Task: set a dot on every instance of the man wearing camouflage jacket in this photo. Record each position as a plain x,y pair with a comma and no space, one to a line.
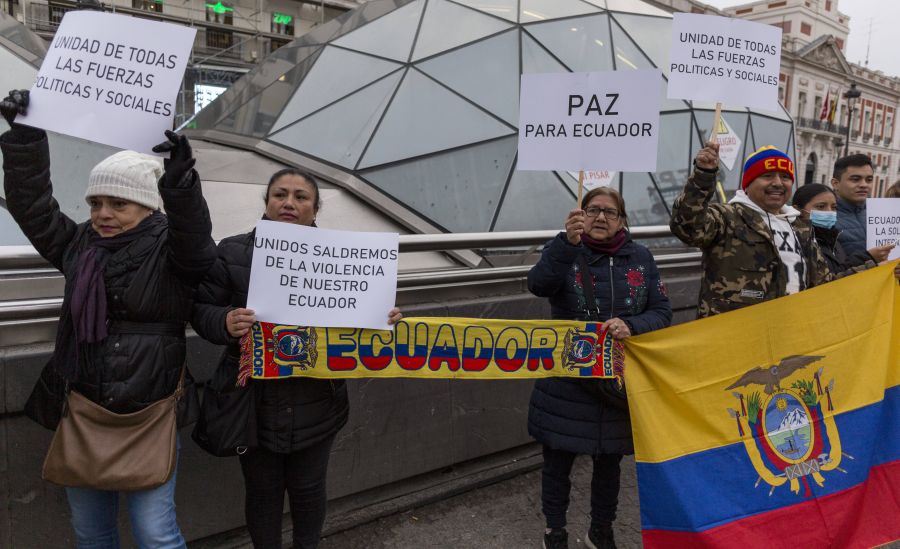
755,248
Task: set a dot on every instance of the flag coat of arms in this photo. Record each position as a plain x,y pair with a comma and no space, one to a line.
773,426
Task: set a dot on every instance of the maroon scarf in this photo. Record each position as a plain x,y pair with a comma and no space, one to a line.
608,247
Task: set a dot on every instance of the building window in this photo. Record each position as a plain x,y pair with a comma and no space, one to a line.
827,5
9,6
774,5
148,5
274,44
743,11
220,13
219,40
282,24
801,104
785,26
57,13
805,28
840,43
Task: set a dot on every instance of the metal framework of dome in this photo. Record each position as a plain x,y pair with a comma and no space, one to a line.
419,100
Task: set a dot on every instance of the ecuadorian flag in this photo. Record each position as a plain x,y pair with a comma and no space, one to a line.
773,426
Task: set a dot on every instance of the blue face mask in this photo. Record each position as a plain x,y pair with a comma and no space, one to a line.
826,220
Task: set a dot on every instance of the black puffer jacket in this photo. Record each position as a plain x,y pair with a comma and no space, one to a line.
567,414
149,283
292,414
833,251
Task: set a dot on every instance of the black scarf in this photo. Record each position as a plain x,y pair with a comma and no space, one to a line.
83,316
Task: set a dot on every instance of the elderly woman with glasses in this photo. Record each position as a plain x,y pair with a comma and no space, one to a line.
593,271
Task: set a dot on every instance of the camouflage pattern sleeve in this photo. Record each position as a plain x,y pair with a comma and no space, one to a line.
694,221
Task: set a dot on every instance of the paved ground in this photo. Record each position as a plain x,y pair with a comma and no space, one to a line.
502,515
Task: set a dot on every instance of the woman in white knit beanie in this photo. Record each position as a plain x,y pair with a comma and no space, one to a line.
130,272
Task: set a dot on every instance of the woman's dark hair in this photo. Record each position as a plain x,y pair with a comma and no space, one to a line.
807,192
893,191
317,200
610,192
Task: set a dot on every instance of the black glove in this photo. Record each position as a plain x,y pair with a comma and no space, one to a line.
15,103
180,162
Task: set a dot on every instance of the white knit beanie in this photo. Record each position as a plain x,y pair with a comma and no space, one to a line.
129,175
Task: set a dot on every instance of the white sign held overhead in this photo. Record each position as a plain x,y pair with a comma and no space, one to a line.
726,60
111,78
589,121
308,276
883,224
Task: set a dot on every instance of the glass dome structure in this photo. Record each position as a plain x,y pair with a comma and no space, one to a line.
418,100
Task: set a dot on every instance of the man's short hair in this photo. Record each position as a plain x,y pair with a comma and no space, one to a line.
855,160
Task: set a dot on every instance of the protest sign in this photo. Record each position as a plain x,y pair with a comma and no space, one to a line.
111,78
591,179
725,60
309,276
883,224
729,144
589,121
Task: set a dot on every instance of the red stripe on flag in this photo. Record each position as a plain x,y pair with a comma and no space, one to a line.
863,516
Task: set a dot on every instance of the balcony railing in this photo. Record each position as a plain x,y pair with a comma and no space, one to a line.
866,137
887,141
822,126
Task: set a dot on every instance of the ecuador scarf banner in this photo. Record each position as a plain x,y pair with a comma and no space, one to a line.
777,425
432,348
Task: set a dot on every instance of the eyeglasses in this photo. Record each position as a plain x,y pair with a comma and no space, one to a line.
610,213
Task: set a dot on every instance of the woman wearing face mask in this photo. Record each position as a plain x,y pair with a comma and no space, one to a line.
592,271
297,418
130,271
818,204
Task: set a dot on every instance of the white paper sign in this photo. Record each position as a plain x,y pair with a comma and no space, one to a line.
726,60
729,144
883,224
308,276
589,121
596,178
111,78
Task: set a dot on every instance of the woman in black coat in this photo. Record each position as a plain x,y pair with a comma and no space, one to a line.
818,204
297,418
570,416
130,273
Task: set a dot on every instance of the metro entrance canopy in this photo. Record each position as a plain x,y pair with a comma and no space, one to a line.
418,99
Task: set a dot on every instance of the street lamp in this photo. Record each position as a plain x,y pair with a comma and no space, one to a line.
852,95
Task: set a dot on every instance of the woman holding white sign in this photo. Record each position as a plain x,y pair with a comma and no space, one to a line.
115,387
593,271
282,430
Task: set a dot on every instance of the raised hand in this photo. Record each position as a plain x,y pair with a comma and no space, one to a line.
180,162
14,104
575,226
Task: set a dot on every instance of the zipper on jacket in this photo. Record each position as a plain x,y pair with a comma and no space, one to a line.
612,290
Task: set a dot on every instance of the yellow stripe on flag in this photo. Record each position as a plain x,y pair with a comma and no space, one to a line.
678,378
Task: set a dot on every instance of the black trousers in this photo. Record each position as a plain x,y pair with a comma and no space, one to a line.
267,476
556,485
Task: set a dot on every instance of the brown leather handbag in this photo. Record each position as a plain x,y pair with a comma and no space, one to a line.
96,448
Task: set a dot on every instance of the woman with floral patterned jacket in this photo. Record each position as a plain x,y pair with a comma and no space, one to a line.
574,416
